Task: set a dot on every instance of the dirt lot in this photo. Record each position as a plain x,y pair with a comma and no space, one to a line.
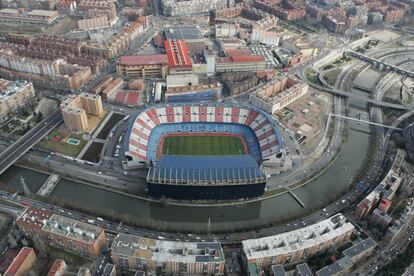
115,118
93,153
64,26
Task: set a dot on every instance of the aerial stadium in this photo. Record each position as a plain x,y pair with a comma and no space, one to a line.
204,151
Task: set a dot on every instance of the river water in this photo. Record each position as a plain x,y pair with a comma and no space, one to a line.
315,194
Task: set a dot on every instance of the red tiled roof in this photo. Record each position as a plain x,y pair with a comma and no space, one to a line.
143,60
177,53
18,261
247,58
243,58
59,265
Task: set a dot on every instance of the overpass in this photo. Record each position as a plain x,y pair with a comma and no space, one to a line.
342,93
379,64
13,152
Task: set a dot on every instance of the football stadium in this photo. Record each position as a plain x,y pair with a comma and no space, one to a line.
204,151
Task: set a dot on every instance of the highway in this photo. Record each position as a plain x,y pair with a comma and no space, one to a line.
13,152
375,62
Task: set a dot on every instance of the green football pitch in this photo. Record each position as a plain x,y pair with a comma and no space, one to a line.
203,145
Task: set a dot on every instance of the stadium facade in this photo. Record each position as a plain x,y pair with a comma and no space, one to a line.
172,174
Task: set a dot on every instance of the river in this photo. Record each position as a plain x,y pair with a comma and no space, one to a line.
314,194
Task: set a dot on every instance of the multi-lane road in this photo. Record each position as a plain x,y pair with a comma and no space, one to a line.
13,152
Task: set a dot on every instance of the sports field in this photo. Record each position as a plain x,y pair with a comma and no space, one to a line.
203,145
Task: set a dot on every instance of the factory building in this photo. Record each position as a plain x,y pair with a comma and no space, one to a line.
149,66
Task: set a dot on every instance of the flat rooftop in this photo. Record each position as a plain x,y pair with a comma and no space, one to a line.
43,13
9,88
143,60
34,218
167,251
298,239
186,32
9,11
72,229
359,248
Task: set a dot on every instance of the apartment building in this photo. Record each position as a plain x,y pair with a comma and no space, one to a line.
75,110
300,47
178,8
284,9
278,93
56,73
298,244
112,87
23,262
94,23
118,42
69,234
351,256
58,268
168,257
14,94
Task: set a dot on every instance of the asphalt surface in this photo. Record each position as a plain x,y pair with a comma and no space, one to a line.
13,152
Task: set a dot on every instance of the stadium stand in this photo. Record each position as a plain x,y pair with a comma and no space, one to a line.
199,176
247,120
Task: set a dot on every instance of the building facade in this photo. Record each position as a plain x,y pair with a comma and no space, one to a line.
76,108
169,257
151,66
278,93
299,244
58,231
178,8
23,262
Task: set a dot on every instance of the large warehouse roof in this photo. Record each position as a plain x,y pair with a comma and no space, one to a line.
189,32
177,53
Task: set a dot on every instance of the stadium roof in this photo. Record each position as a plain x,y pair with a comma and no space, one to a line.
206,170
189,32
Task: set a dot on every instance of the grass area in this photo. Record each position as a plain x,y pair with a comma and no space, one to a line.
313,76
56,142
331,76
63,27
8,27
70,258
203,145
